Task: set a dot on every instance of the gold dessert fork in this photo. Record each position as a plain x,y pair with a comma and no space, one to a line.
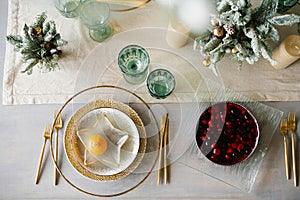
292,127
47,132
57,125
283,130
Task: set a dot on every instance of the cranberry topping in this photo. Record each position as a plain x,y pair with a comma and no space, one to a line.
227,133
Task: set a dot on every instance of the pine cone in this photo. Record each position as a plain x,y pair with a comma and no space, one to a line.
48,46
230,30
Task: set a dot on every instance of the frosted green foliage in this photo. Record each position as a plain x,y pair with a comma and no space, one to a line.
265,51
212,44
40,20
234,12
266,11
247,30
288,19
285,5
39,44
16,40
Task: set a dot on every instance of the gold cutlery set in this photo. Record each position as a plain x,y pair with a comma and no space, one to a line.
289,125
47,134
163,170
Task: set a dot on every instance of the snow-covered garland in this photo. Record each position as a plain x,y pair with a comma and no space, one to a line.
242,31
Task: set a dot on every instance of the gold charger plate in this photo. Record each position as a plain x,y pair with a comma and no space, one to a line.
75,149
135,5
148,160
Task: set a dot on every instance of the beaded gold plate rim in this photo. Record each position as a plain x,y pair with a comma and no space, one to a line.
58,168
143,4
71,141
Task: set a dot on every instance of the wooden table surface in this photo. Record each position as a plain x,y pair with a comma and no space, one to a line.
21,140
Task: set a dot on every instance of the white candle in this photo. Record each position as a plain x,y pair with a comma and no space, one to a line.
177,34
287,52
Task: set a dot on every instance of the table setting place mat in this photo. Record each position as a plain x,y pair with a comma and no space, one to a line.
259,81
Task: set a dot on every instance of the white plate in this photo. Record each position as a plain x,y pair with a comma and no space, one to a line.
118,114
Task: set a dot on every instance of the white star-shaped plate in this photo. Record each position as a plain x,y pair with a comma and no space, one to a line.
114,137
122,128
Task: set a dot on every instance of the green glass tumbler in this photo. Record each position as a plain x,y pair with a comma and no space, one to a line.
67,8
94,14
160,83
133,60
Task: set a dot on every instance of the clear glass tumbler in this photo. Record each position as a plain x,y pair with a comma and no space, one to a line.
94,15
160,83
133,61
67,8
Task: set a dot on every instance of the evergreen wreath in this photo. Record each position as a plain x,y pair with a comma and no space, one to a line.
39,44
242,31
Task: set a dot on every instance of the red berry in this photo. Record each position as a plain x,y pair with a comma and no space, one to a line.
217,151
214,145
214,157
203,138
229,150
250,143
250,136
234,145
240,147
227,157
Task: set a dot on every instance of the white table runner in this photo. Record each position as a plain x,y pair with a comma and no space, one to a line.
260,81
57,86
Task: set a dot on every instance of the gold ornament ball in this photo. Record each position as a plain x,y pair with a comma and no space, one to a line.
206,62
218,31
234,50
38,31
214,22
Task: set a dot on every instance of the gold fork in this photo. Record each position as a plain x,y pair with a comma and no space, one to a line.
283,130
47,132
57,125
292,127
